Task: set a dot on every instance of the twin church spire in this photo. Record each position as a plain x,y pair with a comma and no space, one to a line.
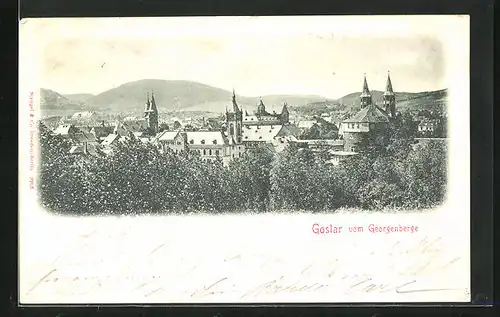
151,113
389,98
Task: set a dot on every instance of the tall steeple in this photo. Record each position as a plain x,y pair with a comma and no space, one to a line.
234,121
151,114
153,102
146,106
236,109
389,98
285,115
388,86
366,96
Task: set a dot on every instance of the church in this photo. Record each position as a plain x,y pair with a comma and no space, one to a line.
261,129
262,117
371,121
210,145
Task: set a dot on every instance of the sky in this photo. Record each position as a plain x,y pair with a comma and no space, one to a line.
253,56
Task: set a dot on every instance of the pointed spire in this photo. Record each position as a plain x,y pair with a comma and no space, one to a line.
366,90
366,96
153,102
235,105
146,106
388,87
261,109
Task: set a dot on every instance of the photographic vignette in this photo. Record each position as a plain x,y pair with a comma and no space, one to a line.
339,167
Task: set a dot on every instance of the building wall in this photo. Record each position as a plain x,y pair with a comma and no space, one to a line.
363,126
355,127
352,140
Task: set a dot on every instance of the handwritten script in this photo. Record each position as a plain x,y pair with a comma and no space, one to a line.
238,281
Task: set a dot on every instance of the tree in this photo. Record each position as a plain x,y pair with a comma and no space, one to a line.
163,127
426,174
298,181
251,176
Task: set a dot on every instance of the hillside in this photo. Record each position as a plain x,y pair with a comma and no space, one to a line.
180,95
430,100
78,98
50,99
169,95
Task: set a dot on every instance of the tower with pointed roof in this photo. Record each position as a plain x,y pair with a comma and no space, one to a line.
261,109
151,114
368,125
234,121
389,98
285,115
366,96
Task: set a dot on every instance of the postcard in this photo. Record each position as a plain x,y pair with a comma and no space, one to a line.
311,159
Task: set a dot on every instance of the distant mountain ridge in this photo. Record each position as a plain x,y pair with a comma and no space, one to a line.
50,99
171,95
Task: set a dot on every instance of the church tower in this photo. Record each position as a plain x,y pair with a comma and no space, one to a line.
146,106
285,115
234,121
366,96
261,108
151,114
389,98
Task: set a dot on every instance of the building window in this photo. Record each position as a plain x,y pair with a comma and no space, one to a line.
217,152
204,152
202,141
210,152
357,126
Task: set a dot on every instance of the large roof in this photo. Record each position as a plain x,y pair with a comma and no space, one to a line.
205,137
133,125
63,129
306,124
290,129
260,133
168,135
369,114
109,139
83,137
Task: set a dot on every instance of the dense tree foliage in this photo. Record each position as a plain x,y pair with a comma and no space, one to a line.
138,178
322,130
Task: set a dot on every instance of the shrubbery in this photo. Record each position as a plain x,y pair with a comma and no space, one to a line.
137,178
